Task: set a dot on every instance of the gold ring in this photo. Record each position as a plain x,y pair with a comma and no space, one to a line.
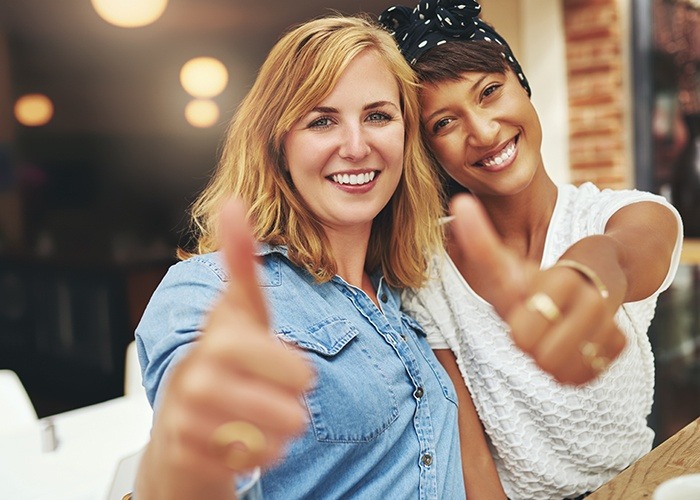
543,304
239,442
591,355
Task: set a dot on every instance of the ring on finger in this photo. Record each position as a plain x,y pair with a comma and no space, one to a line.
543,304
239,442
591,355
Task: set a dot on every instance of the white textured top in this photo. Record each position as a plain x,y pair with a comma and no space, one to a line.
549,440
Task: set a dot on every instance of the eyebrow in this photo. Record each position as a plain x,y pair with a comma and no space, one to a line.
476,84
372,105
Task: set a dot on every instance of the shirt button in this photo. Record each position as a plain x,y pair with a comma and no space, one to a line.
418,393
427,459
403,337
384,298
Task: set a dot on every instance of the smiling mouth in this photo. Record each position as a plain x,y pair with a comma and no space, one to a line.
500,158
353,179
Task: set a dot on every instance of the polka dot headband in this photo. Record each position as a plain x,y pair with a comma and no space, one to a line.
434,22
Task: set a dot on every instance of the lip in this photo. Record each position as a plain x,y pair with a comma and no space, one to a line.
494,166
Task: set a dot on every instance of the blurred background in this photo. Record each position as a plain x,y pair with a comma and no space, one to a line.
105,141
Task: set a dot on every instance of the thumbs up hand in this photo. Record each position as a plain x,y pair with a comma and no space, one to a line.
555,315
235,400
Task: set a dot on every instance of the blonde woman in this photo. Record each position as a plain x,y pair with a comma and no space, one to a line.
343,208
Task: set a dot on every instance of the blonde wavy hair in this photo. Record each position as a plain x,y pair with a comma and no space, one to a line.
300,71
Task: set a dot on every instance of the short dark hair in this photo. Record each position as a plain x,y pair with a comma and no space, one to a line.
447,62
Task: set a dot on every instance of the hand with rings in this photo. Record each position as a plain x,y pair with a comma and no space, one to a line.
560,316
543,304
568,329
232,403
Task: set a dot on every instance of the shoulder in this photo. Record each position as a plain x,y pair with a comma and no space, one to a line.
189,288
586,209
198,268
209,268
183,296
610,199
435,288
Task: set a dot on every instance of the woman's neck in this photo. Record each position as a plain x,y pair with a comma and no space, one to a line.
349,249
350,253
522,220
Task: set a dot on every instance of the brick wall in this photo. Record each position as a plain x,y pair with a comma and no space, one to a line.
597,146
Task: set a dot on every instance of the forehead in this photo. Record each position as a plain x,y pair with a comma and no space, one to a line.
464,90
367,77
439,94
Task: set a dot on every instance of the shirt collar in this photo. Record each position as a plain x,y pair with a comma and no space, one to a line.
265,249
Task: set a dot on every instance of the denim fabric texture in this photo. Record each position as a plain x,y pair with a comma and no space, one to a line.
383,414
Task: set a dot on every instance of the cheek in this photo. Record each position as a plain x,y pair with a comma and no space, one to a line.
446,152
537,127
460,175
289,148
397,151
302,157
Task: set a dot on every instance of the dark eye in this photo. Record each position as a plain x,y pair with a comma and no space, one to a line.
441,123
490,89
378,116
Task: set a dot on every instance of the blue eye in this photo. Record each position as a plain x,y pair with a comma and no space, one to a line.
378,116
322,122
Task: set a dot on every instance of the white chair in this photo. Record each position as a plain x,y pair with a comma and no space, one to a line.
17,409
132,373
125,472
124,477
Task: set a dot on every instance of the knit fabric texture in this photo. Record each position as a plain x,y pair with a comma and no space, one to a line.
549,440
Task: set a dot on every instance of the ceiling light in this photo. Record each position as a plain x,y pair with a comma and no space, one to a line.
33,110
204,77
130,13
201,113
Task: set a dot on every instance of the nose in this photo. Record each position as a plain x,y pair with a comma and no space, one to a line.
482,130
354,146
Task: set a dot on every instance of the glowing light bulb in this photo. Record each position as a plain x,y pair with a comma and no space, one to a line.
201,113
33,110
204,77
130,13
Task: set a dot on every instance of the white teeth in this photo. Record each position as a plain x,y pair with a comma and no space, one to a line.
353,179
500,158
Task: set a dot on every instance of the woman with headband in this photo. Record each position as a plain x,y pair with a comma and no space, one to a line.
542,311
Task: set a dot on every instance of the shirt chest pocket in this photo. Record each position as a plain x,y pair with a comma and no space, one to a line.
353,401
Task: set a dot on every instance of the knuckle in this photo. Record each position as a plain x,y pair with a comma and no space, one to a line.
195,385
547,363
619,341
562,379
523,338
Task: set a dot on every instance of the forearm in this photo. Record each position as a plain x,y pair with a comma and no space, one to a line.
480,475
633,257
481,479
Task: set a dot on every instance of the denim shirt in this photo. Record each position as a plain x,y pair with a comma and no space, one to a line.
383,413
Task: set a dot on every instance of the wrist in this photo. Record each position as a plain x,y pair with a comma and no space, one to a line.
589,274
